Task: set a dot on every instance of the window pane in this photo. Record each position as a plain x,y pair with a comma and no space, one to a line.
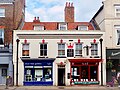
45,46
41,46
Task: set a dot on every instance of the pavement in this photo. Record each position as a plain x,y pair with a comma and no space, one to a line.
2,87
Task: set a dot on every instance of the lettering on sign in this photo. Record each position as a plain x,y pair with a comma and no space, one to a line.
114,54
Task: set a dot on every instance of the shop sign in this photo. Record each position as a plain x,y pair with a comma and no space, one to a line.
113,53
88,82
38,64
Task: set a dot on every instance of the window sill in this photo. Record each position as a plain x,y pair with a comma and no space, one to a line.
94,56
61,57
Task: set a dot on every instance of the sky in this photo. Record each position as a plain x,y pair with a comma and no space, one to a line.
53,10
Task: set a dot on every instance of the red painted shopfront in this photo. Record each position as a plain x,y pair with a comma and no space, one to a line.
84,71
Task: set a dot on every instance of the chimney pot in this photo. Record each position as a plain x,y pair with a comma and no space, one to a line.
34,18
66,4
37,18
69,4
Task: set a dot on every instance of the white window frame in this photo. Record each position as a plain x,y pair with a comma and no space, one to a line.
63,25
79,48
61,49
83,27
117,11
38,27
2,12
93,48
44,50
28,48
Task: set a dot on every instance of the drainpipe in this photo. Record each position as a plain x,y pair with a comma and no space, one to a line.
101,40
17,63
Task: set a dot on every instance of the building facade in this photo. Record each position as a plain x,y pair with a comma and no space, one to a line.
59,53
11,17
108,19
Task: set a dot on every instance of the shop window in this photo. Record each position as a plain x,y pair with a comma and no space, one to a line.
38,27
25,50
62,26
1,37
94,49
43,49
4,72
61,49
2,12
83,27
47,74
78,49
70,53
75,73
117,10
38,73
93,73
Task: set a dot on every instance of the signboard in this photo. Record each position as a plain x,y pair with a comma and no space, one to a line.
88,82
113,53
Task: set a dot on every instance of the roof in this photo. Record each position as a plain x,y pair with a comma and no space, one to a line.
54,25
6,1
100,9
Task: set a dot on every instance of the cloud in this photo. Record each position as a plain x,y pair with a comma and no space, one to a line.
53,10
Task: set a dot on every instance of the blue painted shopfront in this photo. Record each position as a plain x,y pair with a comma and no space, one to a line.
38,72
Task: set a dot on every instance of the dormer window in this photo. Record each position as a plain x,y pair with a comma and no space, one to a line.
83,27
62,26
38,27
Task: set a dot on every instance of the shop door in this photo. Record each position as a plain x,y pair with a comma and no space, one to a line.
84,73
61,76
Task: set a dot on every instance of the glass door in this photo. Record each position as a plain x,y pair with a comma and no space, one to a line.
84,73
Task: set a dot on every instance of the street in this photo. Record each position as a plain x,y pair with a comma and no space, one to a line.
59,88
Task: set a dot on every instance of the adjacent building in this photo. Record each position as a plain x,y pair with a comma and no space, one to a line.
59,53
108,19
12,14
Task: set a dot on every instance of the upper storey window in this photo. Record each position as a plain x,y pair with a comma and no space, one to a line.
38,27
117,10
62,26
2,12
1,36
83,27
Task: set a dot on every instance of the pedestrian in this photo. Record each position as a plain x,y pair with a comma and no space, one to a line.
119,80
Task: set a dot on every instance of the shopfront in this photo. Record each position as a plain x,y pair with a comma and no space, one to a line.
112,63
38,72
84,71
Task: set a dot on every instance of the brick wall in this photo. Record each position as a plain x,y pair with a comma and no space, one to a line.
13,17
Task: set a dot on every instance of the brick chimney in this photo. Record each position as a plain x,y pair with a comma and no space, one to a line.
69,12
36,19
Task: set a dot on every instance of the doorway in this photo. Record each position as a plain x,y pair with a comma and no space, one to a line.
61,76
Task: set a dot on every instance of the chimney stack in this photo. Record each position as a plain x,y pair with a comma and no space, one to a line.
36,19
69,12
